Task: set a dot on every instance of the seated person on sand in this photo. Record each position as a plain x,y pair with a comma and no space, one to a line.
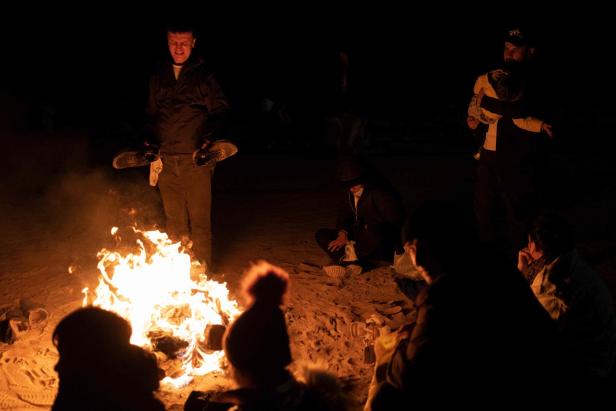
370,216
576,298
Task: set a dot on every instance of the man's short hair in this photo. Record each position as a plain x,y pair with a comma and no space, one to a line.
553,234
519,36
181,25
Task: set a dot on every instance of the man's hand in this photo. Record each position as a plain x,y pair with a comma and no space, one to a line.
202,156
150,151
339,242
387,341
211,152
206,143
547,129
472,122
524,260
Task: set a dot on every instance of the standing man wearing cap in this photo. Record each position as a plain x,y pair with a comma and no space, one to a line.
370,218
508,162
186,108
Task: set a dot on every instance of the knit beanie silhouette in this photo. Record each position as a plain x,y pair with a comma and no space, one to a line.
258,340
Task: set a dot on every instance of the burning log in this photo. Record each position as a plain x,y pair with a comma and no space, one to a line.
213,336
173,368
173,347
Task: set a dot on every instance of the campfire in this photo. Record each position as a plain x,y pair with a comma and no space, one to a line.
175,311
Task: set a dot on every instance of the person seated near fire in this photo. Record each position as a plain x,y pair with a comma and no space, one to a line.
576,298
370,217
99,369
478,328
257,349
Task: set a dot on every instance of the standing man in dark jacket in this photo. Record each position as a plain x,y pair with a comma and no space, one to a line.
186,107
369,221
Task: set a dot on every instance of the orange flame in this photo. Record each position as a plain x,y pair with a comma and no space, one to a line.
154,291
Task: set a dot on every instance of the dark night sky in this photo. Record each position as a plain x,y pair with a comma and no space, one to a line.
403,61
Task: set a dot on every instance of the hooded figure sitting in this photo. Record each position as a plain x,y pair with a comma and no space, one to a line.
257,348
370,218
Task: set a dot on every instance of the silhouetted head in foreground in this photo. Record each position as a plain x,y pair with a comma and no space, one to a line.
439,239
98,368
552,235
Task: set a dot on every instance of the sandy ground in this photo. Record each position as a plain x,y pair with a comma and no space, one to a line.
57,211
